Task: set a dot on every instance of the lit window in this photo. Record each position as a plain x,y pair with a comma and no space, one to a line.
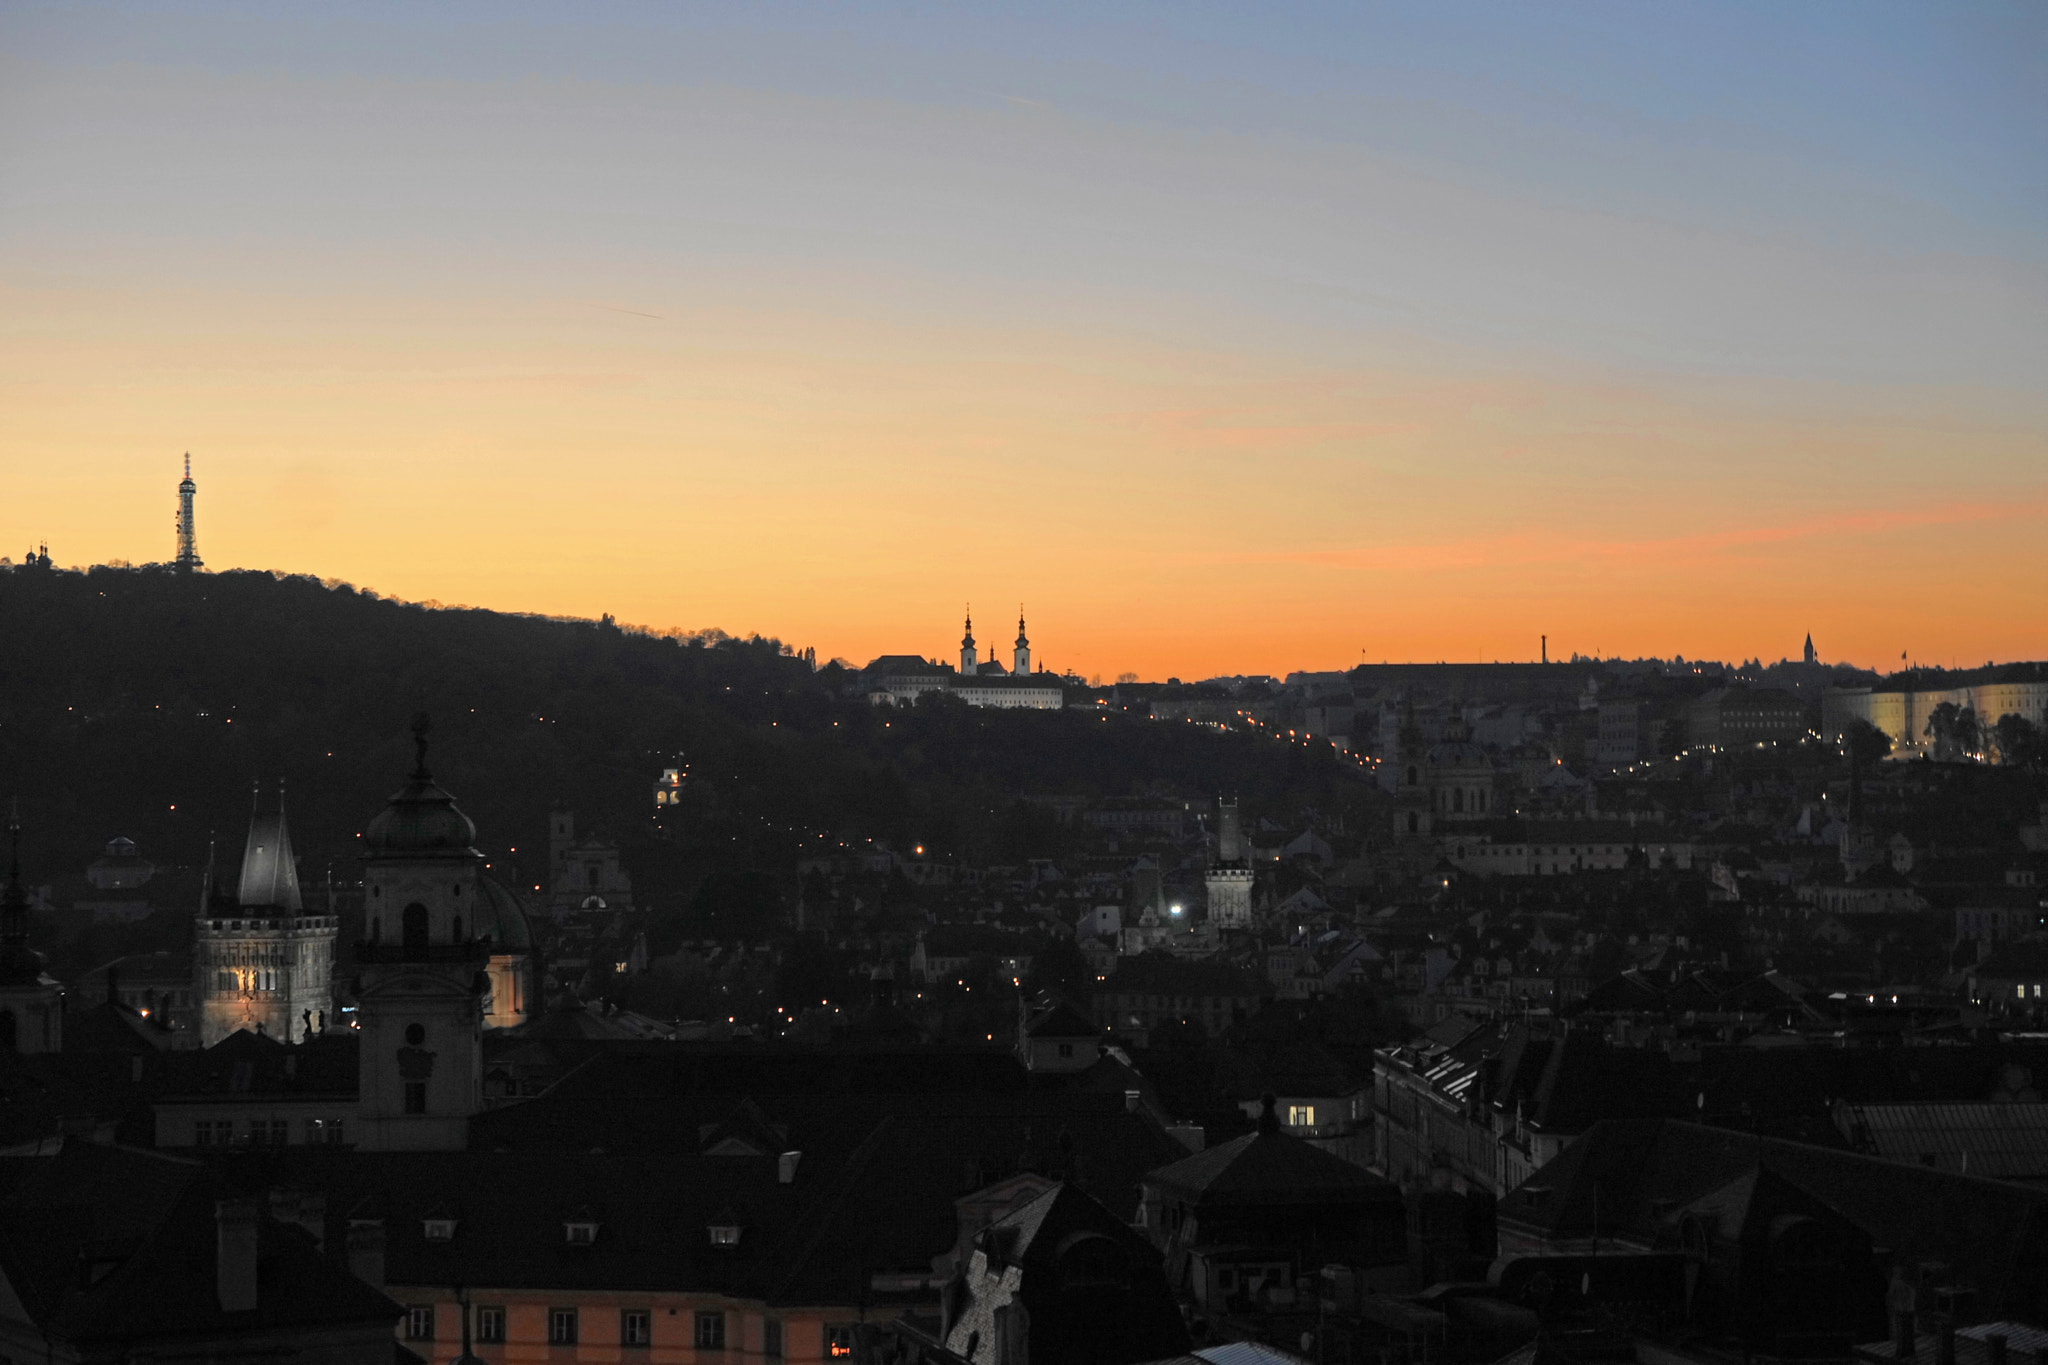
725,1234
710,1331
839,1340
636,1327
1301,1115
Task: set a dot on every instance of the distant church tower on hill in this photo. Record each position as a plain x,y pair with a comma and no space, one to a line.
968,666
1020,660
188,527
1811,657
260,961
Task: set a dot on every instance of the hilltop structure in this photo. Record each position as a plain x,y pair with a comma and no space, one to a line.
900,679
188,526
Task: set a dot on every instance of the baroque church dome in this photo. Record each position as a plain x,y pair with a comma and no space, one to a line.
421,818
504,922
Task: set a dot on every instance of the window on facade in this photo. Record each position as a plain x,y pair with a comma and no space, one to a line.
415,1097
771,1338
636,1327
710,1331
1066,1049
1301,1115
490,1323
561,1327
580,1234
725,1234
415,930
839,1340
419,1322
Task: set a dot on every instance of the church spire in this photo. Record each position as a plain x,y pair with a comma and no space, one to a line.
1021,659
967,654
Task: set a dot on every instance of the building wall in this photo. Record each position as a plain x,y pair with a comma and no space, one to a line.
806,1331
1903,714
268,971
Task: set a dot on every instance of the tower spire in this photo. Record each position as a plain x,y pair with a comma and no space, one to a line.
1020,659
968,657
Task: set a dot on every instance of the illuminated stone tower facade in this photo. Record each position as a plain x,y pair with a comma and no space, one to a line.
260,960
968,658
1230,876
425,986
1020,657
188,526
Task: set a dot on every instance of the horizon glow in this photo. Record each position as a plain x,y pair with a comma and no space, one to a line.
1230,340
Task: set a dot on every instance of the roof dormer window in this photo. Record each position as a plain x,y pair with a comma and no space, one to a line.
438,1229
725,1234
579,1233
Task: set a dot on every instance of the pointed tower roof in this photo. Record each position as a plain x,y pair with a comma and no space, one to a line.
968,638
1020,625
270,875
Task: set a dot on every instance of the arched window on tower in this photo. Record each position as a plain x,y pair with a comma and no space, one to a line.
415,930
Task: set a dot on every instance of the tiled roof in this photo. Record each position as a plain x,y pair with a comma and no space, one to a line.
150,1219
1270,1168
1996,1141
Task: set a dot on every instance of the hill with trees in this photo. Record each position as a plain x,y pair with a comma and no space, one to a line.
144,703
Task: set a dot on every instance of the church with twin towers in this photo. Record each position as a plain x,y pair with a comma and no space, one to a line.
900,679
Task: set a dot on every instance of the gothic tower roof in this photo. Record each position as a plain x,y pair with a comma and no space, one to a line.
270,874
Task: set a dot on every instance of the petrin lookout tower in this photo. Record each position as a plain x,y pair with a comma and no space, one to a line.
188,528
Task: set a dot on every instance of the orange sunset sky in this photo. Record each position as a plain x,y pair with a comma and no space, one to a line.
1245,339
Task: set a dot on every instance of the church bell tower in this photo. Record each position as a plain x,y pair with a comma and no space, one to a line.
1020,659
968,665
421,997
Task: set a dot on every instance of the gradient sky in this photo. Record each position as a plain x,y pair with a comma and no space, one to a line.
1229,338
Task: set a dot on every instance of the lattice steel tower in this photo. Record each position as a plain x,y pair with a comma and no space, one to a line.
188,528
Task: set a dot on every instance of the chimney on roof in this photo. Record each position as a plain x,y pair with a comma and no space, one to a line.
302,1208
366,1250
235,1254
